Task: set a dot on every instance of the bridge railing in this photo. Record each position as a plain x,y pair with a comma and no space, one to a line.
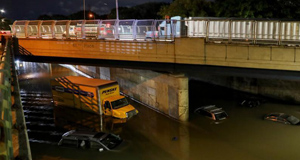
97,29
245,30
254,31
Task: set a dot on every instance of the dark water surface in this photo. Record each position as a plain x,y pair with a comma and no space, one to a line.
150,135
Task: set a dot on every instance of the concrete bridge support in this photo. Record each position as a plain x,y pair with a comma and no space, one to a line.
166,93
281,89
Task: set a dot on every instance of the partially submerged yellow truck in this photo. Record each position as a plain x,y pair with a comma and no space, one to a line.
91,95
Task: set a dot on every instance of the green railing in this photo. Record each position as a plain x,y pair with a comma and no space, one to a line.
6,146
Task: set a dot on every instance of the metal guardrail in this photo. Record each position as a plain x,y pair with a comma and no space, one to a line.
6,148
254,31
97,29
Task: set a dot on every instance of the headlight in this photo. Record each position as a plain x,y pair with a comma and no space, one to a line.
126,115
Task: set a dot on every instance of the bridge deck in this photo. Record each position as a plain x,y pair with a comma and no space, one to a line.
194,51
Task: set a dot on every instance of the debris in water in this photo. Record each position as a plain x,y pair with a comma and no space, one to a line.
174,138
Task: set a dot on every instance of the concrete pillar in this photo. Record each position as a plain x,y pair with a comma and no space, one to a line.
104,73
166,93
286,90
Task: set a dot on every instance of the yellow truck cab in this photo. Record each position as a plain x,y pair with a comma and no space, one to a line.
91,95
118,106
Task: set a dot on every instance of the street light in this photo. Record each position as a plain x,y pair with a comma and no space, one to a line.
117,21
117,9
84,9
91,16
2,20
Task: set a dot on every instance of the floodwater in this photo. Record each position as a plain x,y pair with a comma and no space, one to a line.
151,135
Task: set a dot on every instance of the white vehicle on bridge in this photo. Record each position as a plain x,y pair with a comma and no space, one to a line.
166,29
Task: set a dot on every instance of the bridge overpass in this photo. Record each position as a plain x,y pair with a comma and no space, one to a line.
237,43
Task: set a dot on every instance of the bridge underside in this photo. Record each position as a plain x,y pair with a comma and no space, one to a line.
189,70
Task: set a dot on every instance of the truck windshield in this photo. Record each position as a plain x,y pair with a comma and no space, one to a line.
119,103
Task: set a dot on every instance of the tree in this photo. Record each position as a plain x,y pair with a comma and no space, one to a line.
44,17
144,11
257,8
4,23
234,8
287,9
188,8
59,17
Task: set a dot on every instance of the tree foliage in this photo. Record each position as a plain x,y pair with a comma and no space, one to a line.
144,11
188,8
4,23
247,8
234,8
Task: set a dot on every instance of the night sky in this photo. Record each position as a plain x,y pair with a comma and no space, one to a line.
31,9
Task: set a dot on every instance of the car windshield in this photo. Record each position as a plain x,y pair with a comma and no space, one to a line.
98,135
119,103
293,120
274,114
221,115
111,141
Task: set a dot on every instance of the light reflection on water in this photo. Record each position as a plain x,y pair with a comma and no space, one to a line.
150,135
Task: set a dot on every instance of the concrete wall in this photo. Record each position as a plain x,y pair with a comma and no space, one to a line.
165,93
286,90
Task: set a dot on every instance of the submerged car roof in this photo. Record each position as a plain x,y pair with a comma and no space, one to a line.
89,134
276,114
79,133
212,108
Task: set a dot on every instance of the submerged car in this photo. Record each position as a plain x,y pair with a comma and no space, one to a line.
212,112
251,102
282,118
93,140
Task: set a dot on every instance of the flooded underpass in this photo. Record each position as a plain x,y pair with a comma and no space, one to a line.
151,135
